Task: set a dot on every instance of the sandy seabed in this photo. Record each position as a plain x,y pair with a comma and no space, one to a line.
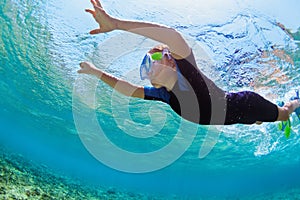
22,179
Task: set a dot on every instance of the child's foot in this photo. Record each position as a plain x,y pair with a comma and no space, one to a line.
293,105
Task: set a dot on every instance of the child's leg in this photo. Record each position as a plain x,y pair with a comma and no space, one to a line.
248,107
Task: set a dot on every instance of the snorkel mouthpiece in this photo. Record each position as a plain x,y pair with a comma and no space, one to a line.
157,56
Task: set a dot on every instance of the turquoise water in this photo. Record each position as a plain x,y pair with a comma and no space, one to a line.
48,111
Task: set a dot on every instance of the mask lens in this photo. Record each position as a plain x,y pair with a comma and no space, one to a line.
145,67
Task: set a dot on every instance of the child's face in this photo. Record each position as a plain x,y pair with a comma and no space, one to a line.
160,72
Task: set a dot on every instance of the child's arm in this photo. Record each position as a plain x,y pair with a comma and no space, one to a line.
120,85
163,34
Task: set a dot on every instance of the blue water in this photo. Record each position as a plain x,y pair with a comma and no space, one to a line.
49,113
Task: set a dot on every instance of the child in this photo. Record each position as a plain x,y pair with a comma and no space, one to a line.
177,81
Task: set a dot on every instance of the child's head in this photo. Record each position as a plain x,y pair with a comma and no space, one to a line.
158,65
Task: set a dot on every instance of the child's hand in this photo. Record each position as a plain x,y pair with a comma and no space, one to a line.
106,22
87,68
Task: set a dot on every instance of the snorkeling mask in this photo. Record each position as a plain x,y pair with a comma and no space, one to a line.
148,60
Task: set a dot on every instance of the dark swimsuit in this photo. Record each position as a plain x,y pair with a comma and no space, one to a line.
197,99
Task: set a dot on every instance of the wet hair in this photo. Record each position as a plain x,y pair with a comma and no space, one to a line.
158,48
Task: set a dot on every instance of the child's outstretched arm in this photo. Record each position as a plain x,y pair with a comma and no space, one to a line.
160,33
120,85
